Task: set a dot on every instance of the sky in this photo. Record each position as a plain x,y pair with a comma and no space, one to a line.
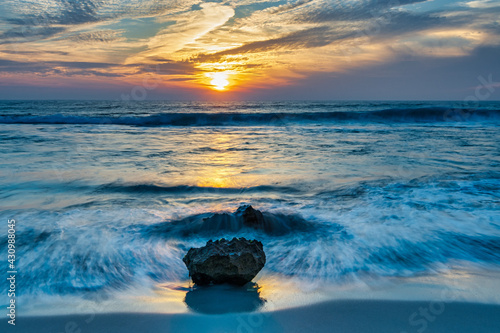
250,50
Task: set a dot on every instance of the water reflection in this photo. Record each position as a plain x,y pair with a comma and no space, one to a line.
220,166
219,299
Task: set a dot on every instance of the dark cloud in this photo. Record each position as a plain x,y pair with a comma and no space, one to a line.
168,67
67,68
77,12
7,64
398,23
81,64
182,79
335,11
289,6
100,36
84,73
66,12
163,66
308,38
28,33
34,52
71,68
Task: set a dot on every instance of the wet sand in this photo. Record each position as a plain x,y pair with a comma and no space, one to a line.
333,316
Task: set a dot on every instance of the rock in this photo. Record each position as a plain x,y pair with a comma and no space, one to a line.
251,217
236,262
245,215
244,219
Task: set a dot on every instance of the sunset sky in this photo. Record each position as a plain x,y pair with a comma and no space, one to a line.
240,49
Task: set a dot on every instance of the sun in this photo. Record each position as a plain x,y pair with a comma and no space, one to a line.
219,80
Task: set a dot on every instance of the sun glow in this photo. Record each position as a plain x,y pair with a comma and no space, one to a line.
219,80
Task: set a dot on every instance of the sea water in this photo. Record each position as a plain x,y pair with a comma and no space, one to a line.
102,191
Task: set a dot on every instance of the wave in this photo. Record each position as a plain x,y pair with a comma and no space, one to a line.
245,218
98,256
185,189
433,114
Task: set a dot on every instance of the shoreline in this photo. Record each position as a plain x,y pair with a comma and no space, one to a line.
455,301
270,293
332,316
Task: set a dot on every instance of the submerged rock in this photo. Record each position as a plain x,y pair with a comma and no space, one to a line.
236,262
250,216
245,218
245,215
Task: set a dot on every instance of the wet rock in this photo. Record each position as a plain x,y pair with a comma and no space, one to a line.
222,261
251,217
245,218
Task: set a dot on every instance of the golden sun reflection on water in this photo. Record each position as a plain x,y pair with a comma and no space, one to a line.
220,159
219,178
276,292
222,165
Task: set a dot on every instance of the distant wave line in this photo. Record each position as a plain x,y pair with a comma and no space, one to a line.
152,188
434,114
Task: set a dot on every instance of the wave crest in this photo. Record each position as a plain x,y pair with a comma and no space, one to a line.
430,114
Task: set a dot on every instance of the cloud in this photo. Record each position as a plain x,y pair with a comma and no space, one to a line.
58,67
169,67
482,4
61,12
75,12
31,53
99,36
30,20
164,68
28,34
187,29
308,38
289,6
260,42
334,11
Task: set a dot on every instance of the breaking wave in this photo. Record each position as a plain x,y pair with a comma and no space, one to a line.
97,256
433,114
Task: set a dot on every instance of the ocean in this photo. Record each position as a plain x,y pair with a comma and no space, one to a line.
104,193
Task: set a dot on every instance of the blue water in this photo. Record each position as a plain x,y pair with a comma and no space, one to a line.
108,195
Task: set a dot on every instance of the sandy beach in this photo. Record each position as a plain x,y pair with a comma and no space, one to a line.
334,316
